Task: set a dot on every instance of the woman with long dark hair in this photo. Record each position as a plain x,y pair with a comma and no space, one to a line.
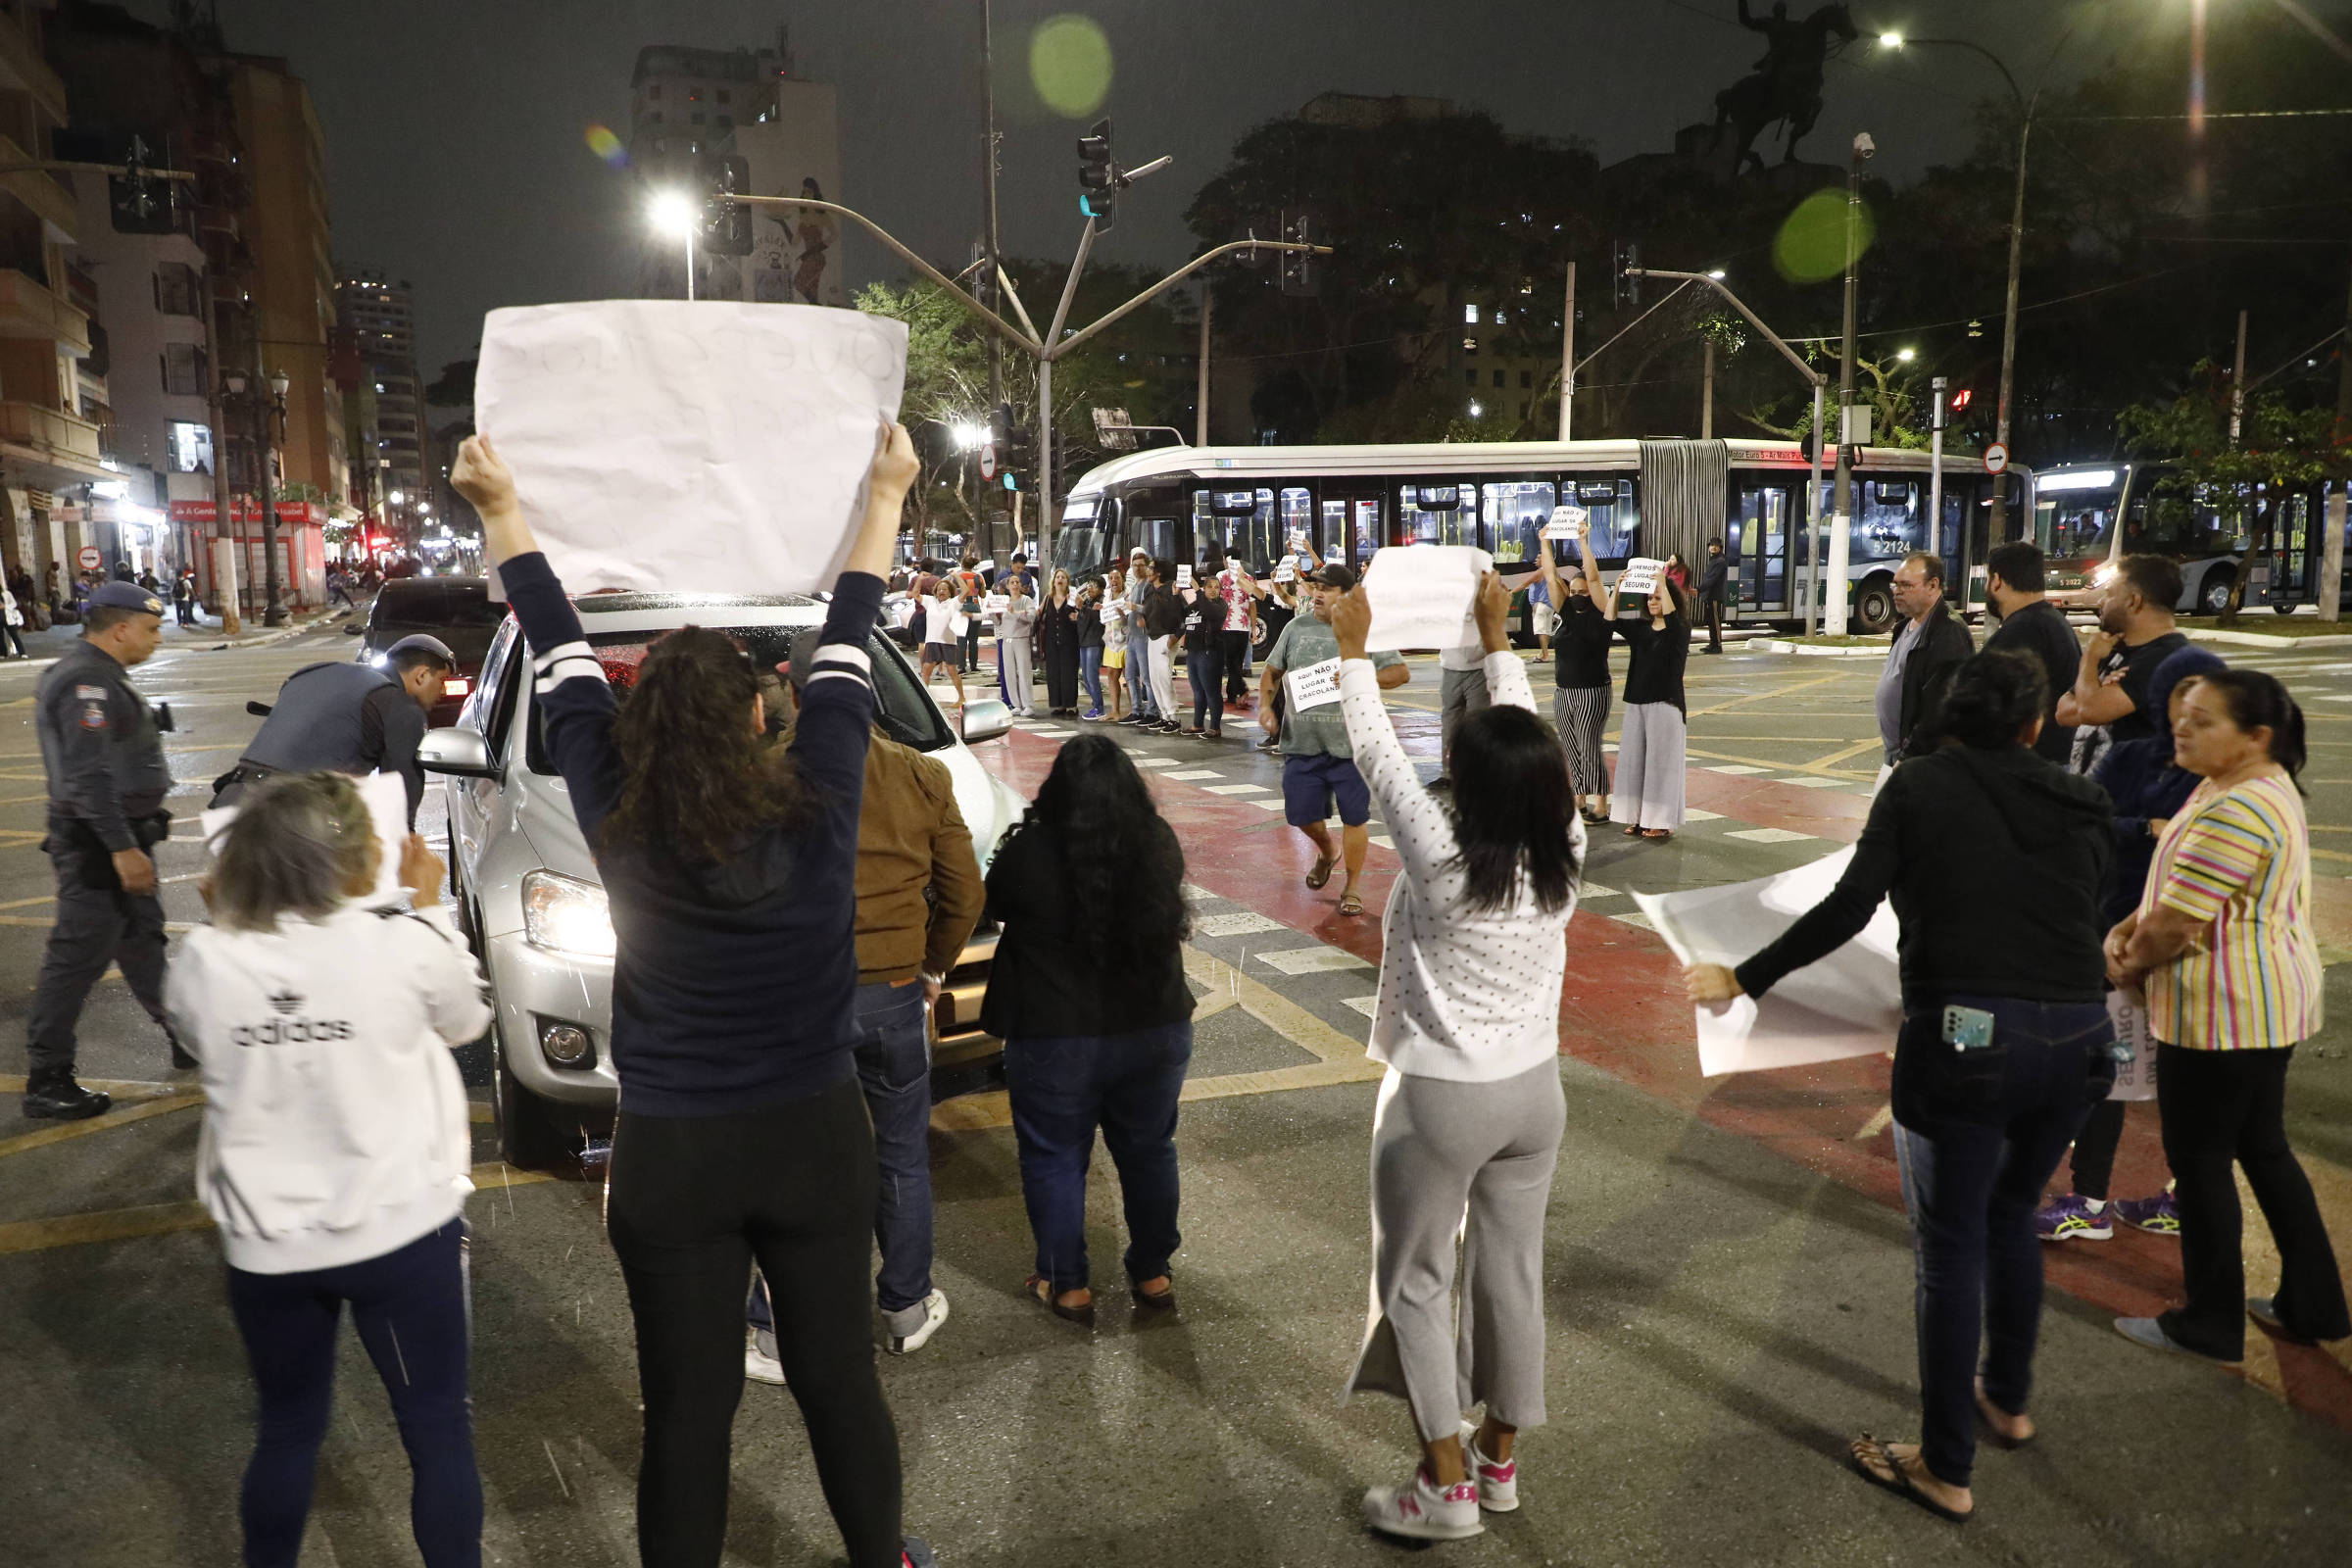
1470,1113
1993,857
1087,994
1654,740
1057,636
730,867
2222,945
1205,651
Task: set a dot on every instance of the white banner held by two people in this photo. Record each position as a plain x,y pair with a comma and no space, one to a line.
711,447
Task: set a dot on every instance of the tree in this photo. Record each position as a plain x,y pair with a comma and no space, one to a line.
453,388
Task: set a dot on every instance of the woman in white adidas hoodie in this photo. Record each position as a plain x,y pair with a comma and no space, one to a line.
337,1147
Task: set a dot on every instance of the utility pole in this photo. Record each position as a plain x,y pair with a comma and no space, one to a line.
2237,383
1936,475
1998,529
987,187
224,533
2331,556
1201,395
1843,513
274,612
1706,389
1568,358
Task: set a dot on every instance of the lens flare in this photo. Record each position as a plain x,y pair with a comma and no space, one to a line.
1811,244
1069,64
608,147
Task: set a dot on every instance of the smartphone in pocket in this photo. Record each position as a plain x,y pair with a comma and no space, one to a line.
1967,1028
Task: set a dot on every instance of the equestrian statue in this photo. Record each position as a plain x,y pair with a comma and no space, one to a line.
1785,87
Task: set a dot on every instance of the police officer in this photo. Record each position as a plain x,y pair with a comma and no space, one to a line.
350,719
104,758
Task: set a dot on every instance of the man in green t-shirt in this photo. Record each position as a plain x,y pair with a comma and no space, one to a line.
1318,763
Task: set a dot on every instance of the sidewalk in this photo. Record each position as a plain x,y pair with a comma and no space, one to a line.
44,646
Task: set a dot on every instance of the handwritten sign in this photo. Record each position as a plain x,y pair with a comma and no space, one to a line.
1567,523
1640,577
1184,576
1285,571
996,604
1422,596
660,445
1315,686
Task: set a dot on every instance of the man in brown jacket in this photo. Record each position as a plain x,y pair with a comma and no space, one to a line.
919,894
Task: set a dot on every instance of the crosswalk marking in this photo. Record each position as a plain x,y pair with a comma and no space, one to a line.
1768,835
1594,890
1691,814
1362,1004
1734,767
1231,789
1154,761
1197,772
1813,782
1384,840
1240,923
1317,959
1264,806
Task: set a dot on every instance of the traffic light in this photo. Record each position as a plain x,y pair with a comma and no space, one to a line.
1097,176
1298,273
1623,290
1959,404
139,203
726,221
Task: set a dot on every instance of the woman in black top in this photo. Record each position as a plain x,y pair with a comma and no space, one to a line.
1580,709
1087,994
1205,651
1993,857
1652,745
1090,645
1058,634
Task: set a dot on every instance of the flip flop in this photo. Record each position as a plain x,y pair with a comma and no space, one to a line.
1041,1288
1659,834
1349,904
1322,871
1898,1479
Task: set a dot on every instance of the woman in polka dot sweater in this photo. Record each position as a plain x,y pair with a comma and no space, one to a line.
1470,1114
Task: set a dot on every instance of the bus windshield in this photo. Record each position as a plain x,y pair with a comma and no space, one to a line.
2075,514
1079,546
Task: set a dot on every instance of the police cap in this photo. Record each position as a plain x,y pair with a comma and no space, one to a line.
420,643
120,595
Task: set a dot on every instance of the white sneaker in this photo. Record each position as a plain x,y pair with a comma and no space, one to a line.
760,1362
1497,1482
1425,1510
934,1310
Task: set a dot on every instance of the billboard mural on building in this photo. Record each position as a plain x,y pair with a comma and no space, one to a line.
796,255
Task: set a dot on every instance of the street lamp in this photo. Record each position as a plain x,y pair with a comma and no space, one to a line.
1841,514
672,212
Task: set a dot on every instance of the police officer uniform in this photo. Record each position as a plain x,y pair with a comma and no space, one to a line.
103,753
342,718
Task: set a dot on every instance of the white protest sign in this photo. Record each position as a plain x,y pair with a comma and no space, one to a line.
995,604
1315,686
1285,571
386,797
1640,578
660,445
1110,616
1422,596
1851,1004
1567,523
2134,1079
1184,576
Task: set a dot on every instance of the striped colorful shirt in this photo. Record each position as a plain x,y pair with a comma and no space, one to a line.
2239,862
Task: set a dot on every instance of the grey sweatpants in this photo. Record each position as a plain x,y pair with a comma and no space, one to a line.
1459,691
1473,1162
1018,657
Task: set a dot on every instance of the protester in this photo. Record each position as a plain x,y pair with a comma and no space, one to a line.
741,1131
1580,708
338,589
1016,648
1926,648
1058,641
1318,759
1992,859
2221,944
1715,593
2146,789
1089,995
183,598
1164,624
1017,572
1462,691
1542,618
2109,700
1654,740
1470,1114
1278,607
940,614
336,1145
1205,651
12,622
1238,591
1090,647
2014,575
1113,615
1146,713
971,587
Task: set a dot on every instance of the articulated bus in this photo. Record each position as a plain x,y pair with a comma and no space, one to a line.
1182,503
2086,515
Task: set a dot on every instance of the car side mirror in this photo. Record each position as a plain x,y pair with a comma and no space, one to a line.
984,719
463,752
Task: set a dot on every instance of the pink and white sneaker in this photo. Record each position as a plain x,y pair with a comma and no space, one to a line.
1425,1510
1497,1480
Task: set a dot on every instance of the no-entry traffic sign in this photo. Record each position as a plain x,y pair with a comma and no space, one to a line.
1996,459
89,557
988,460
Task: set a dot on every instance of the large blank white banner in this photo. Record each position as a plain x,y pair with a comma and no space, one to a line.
706,447
1848,1005
1424,596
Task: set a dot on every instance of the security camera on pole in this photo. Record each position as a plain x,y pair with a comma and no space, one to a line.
1854,425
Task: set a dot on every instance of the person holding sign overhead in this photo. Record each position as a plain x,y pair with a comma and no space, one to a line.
1653,746
943,629
1318,759
1114,611
1580,708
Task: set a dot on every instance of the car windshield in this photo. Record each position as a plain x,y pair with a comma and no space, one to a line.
459,613
906,715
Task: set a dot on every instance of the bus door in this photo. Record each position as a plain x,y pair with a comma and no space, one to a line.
1355,521
1763,526
1437,512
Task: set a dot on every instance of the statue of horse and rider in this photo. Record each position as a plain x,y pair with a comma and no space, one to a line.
1786,85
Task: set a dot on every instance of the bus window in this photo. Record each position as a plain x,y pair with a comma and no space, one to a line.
1333,540
1298,516
1615,512
1367,530
1438,514
1888,518
1759,545
2174,522
1512,516
1158,537
1081,546
2075,514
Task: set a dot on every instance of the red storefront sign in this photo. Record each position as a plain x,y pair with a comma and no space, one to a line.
246,509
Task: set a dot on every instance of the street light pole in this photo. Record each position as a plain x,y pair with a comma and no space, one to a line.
987,187
266,407
1841,515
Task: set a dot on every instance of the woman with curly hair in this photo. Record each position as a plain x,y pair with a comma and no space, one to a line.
1088,994
742,1133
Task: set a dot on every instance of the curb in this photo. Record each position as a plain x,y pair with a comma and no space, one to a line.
1777,645
2263,639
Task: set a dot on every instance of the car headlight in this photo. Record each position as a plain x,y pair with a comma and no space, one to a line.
2101,576
564,915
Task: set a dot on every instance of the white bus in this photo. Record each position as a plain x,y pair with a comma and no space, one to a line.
1181,503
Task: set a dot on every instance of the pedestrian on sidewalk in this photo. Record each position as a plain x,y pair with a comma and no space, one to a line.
1278,607
2147,789
2014,576
1993,857
1927,648
337,1147
2137,631
1318,759
1147,712
940,612
1111,614
1163,622
12,622
742,1132
1580,707
1715,593
1470,1113
1088,993
1654,741
1057,640
919,896
1090,647
183,594
2221,946
972,586
1205,651
1016,647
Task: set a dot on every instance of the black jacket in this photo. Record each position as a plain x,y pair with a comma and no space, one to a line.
1045,981
2040,631
1944,642
1714,581
1163,611
1993,862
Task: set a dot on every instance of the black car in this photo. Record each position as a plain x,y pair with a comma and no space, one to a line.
456,609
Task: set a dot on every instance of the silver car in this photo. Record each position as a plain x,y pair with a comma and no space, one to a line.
526,887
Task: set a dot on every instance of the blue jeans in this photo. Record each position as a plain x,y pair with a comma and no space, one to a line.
894,1069
1089,671
1061,1090
1139,674
410,1307
1207,666
1977,1135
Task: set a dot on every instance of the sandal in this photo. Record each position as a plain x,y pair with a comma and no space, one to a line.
1633,832
1349,904
1322,871
1869,1454
1657,835
1159,1300
1043,1289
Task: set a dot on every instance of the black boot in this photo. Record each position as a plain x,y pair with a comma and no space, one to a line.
60,1099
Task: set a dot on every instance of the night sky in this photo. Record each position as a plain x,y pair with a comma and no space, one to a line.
454,127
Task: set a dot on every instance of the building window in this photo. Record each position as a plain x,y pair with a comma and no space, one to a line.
1523,408
177,290
727,121
183,369
698,118
655,118
1498,317
191,448
1526,380
724,95
1471,377
1469,316
1499,378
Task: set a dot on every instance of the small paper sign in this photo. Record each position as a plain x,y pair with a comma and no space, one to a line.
996,604
1110,616
1184,576
1315,686
1640,577
1567,523
1285,571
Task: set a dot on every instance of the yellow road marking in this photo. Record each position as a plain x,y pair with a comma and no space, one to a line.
64,1131
1777,691
1788,768
1855,750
